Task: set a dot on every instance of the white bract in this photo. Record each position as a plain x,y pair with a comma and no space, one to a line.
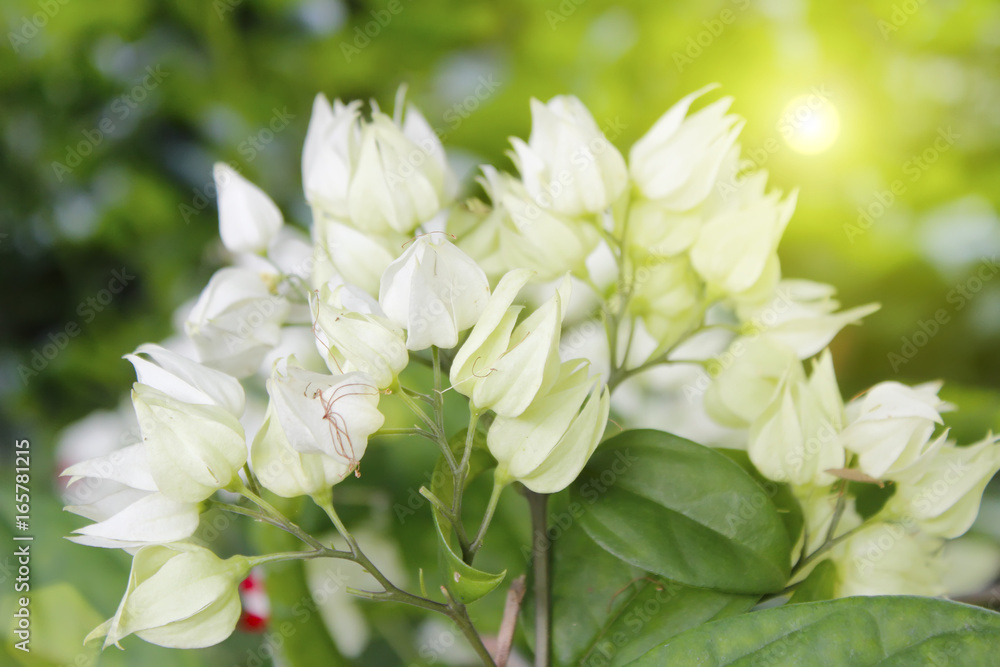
123,499
353,334
547,445
795,439
677,161
332,415
890,426
186,380
503,365
434,291
532,237
193,450
567,164
248,219
178,596
236,321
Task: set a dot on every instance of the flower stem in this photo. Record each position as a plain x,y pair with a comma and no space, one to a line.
499,482
540,565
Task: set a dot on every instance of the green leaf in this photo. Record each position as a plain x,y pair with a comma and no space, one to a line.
888,630
464,581
781,494
608,613
819,585
684,512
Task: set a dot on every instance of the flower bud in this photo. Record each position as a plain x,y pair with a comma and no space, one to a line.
353,334
355,257
677,161
332,415
434,291
547,445
236,321
178,596
329,155
502,366
193,450
942,491
890,426
534,238
568,165
186,380
248,219
795,439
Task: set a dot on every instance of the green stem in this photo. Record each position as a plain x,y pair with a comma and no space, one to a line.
499,483
540,565
274,516
454,609
251,479
432,425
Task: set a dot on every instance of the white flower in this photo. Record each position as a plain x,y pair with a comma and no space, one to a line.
332,415
383,175
568,165
532,237
795,439
119,493
193,450
668,296
286,471
353,334
503,365
248,219
753,372
236,321
329,155
434,291
888,559
185,380
353,256
547,445
802,314
942,491
736,243
677,161
178,596
890,426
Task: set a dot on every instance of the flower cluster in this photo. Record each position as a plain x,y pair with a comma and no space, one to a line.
664,249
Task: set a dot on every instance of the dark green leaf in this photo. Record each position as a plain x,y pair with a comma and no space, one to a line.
819,585
781,494
684,512
608,613
889,630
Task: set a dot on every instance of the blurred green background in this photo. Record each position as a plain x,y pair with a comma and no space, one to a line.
112,114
